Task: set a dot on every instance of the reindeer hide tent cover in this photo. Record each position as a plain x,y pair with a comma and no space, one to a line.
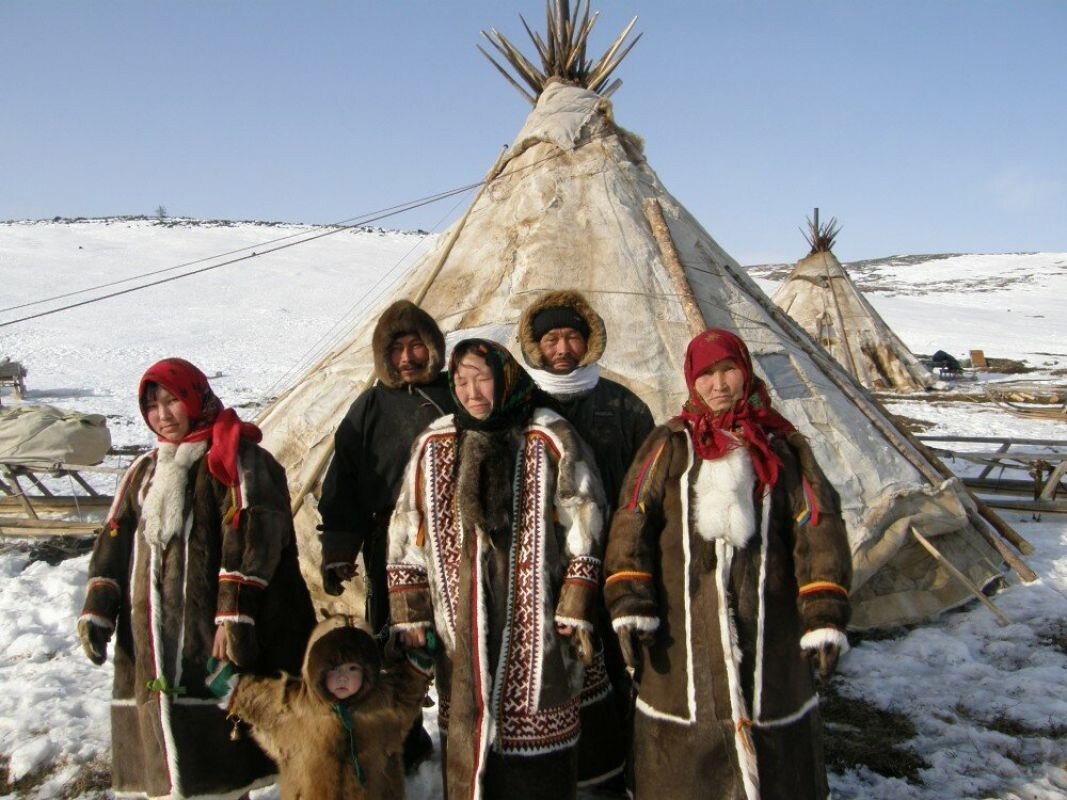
573,203
821,297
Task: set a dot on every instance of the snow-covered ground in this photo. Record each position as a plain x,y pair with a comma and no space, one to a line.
988,703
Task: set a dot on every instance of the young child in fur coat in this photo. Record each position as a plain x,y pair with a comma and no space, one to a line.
337,733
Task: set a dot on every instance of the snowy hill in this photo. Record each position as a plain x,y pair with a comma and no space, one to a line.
977,710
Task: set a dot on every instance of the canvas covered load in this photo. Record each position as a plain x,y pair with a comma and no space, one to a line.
43,435
573,203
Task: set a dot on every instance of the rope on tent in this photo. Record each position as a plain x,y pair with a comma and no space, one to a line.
327,452
158,271
325,344
389,212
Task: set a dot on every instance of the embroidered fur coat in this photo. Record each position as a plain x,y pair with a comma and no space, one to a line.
302,728
493,585
176,564
728,583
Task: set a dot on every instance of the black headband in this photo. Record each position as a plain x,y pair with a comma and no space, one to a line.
559,317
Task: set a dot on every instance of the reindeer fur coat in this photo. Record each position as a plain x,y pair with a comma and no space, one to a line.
300,725
176,564
493,541
728,584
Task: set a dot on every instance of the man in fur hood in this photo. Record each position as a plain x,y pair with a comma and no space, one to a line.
562,339
372,445
338,733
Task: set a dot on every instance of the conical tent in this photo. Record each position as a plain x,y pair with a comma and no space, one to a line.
573,203
821,297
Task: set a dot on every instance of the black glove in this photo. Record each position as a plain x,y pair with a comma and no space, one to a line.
94,638
334,576
631,655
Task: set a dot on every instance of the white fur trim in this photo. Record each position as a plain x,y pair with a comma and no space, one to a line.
601,778
234,618
732,657
411,626
644,624
761,614
574,623
225,573
717,490
789,719
98,621
649,711
814,640
163,509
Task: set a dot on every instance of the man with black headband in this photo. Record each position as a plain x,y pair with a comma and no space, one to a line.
562,340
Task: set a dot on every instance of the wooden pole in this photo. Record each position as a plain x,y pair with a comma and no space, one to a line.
1021,569
661,232
959,576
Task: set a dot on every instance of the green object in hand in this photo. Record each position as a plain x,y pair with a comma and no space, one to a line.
219,675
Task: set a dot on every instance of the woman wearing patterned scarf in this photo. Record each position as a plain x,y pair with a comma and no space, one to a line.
495,545
197,558
730,567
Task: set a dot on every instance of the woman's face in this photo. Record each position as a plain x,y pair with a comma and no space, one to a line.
344,680
720,386
474,385
166,415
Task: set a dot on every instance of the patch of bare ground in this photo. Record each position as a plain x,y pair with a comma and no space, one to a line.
57,549
1016,730
1003,366
1055,637
858,734
913,425
91,781
26,783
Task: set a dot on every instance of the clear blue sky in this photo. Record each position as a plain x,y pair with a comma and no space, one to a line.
925,126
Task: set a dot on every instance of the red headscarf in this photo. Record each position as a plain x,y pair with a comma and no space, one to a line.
207,417
751,420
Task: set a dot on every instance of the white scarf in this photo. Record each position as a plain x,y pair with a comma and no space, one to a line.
576,381
163,508
724,507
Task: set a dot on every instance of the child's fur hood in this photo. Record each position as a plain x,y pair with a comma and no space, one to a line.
404,317
338,640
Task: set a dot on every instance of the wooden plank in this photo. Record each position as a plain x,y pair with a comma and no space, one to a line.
989,468
959,576
1035,506
993,440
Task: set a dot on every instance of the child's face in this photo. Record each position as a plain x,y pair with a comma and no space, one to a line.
344,680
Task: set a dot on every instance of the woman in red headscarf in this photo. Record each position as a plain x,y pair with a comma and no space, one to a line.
728,572
197,558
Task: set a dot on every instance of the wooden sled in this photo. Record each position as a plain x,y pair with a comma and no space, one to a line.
1044,461
33,504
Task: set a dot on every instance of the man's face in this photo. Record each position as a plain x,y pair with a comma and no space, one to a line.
409,356
562,349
